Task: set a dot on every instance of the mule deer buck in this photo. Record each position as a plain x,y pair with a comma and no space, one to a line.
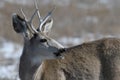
38,46
96,60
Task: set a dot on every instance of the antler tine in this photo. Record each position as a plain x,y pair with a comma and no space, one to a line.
30,22
26,19
46,18
38,13
23,14
33,16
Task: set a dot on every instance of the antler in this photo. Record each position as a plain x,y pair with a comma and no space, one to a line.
42,21
23,14
30,21
38,13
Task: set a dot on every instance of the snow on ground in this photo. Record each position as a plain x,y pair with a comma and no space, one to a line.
10,53
9,59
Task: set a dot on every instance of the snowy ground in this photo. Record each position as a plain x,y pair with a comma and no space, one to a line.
10,53
9,59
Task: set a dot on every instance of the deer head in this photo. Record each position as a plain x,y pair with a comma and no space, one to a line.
25,26
38,46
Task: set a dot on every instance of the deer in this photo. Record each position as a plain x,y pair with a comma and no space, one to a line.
95,60
38,46
43,60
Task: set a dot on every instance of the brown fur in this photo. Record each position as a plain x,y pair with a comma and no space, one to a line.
97,60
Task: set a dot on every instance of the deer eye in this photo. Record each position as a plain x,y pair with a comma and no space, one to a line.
43,40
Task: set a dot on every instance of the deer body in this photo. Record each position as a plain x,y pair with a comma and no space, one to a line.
97,60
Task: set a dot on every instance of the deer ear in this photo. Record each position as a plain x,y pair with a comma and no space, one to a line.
47,26
19,24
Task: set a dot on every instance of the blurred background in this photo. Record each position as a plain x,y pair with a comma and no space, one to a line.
75,22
